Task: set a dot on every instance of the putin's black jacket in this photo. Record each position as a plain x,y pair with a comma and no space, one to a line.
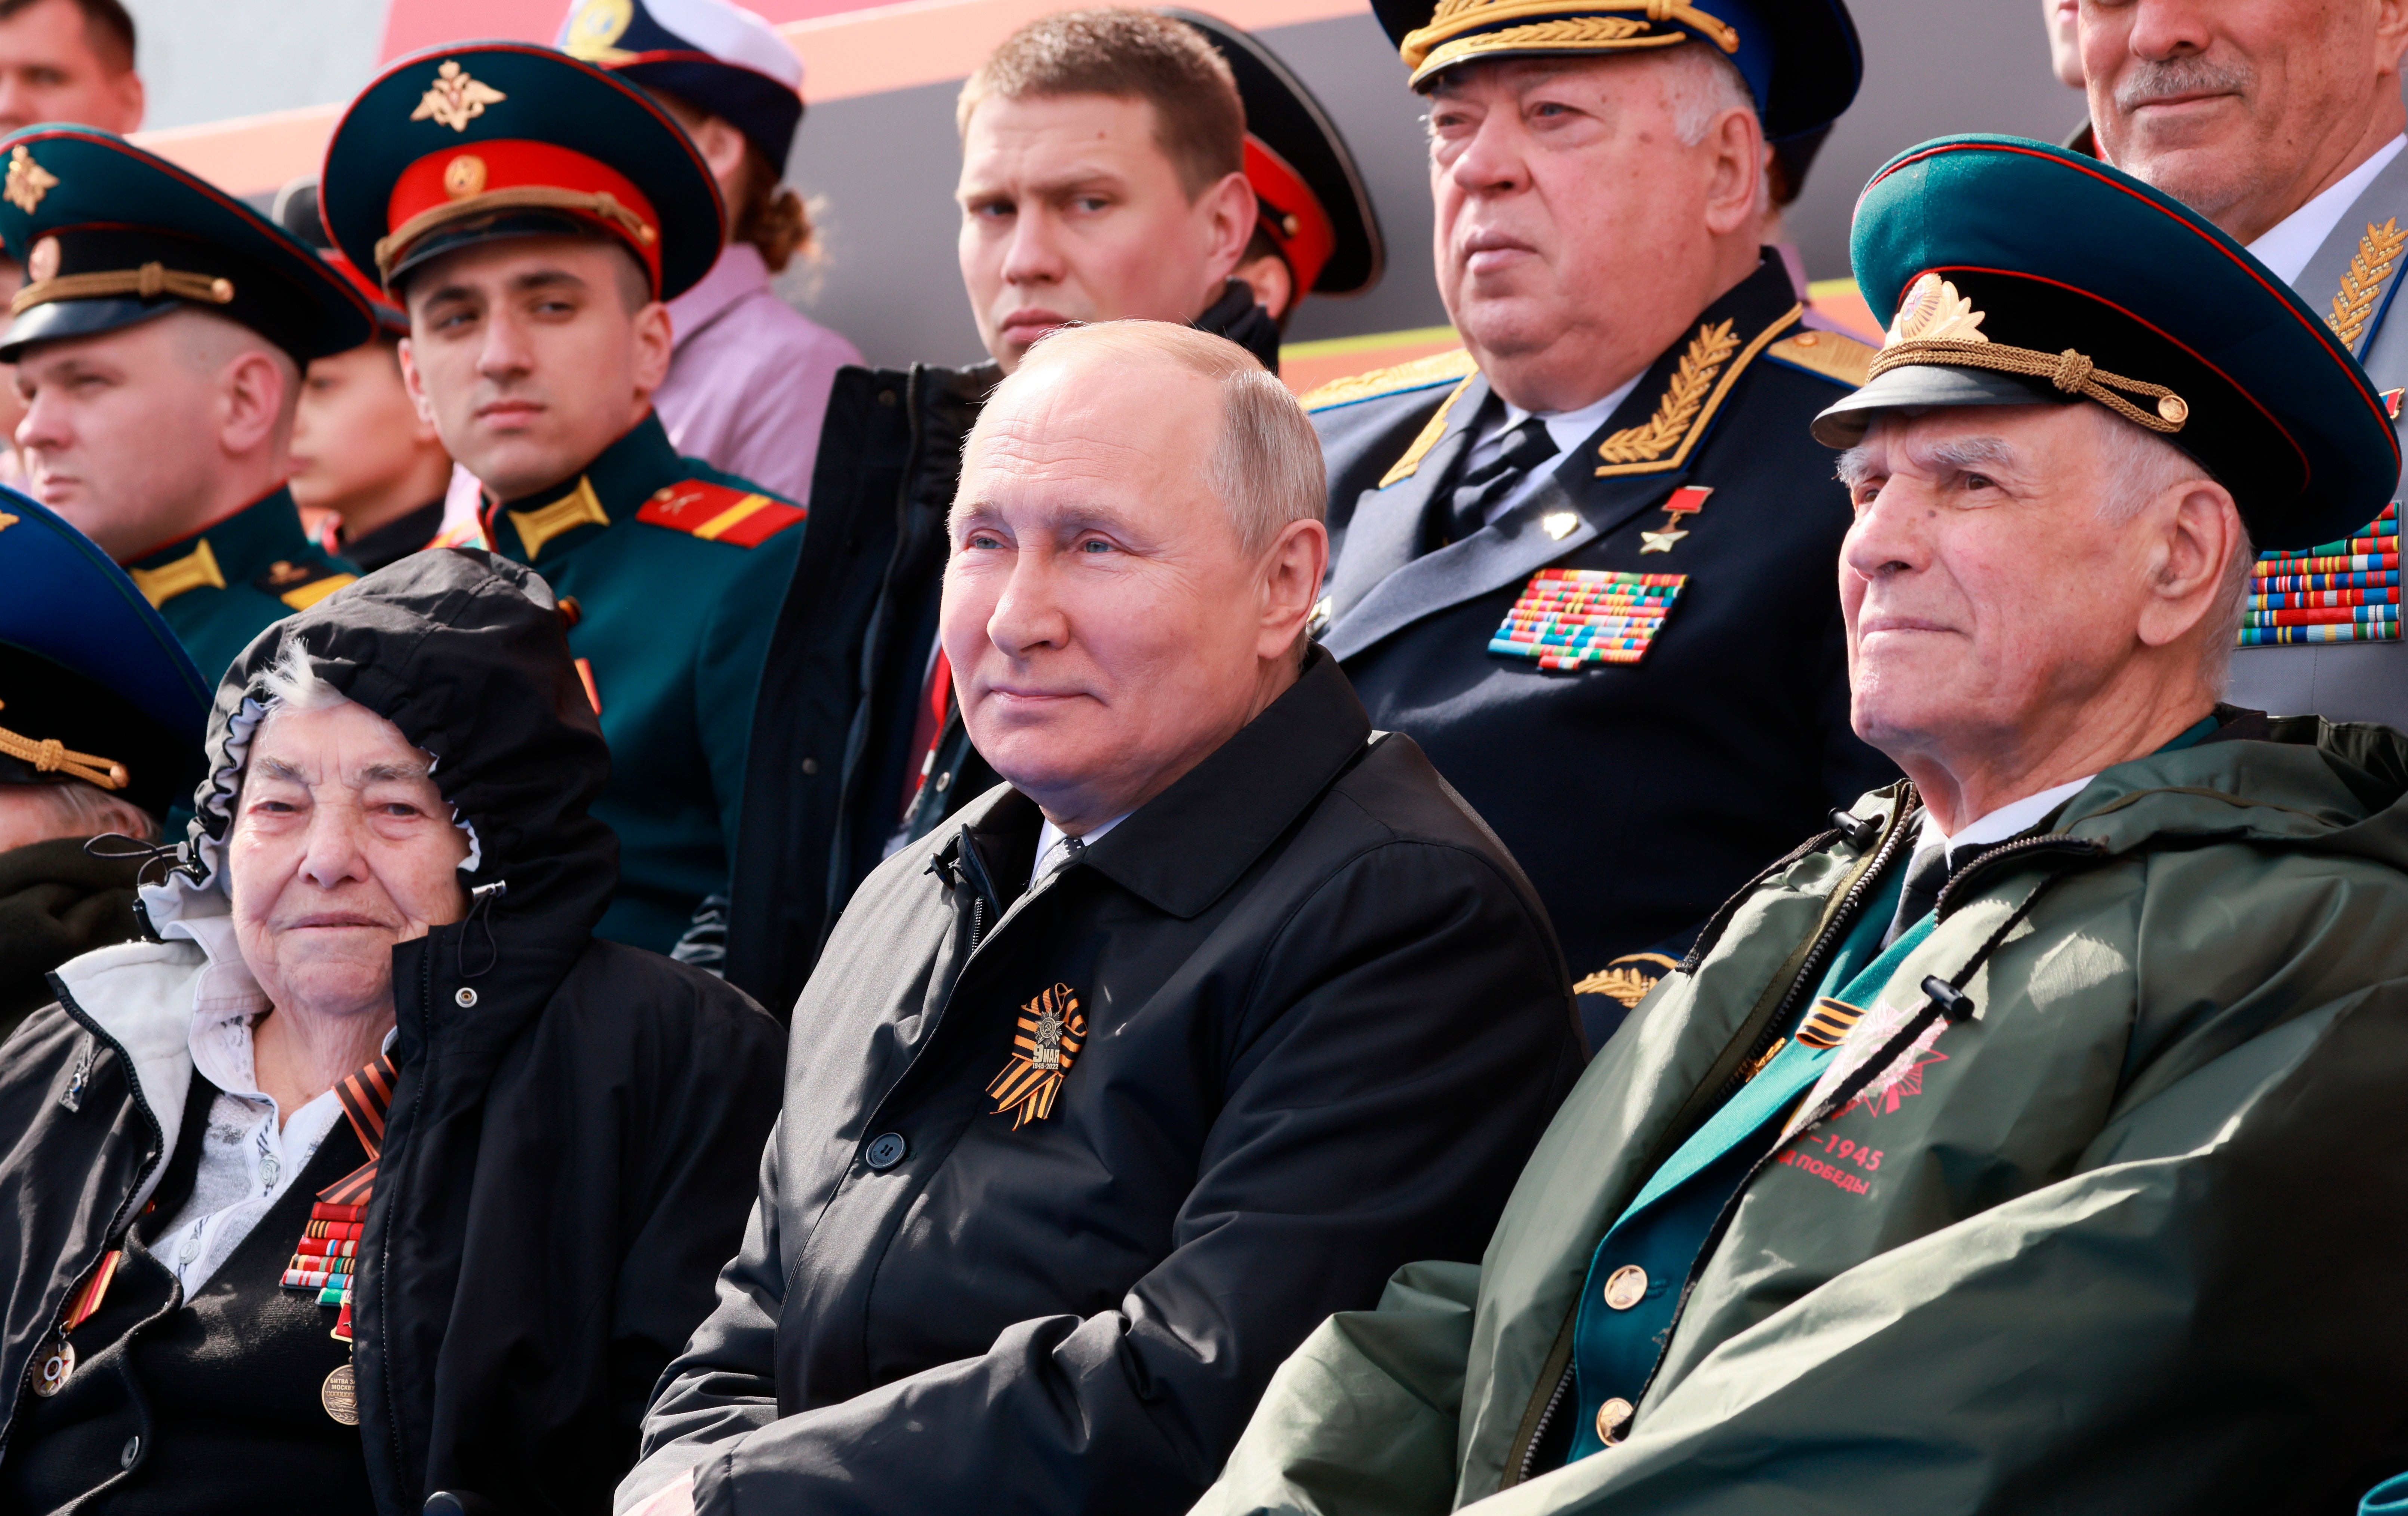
1637,795
1310,1022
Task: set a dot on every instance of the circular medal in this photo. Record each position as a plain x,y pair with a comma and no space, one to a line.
340,1396
58,1362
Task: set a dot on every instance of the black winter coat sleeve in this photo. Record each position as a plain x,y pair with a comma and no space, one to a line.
1405,1039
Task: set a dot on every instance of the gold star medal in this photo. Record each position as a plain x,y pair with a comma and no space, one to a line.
1685,501
1051,1033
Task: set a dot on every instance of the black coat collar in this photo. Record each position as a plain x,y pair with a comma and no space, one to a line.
1179,851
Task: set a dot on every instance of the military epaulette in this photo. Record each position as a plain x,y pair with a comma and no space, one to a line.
1826,355
301,585
1420,374
717,513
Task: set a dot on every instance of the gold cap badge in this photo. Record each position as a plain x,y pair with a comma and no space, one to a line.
453,99
28,180
1936,326
464,176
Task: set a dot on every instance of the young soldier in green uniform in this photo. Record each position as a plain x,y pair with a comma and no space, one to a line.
1576,561
532,212
159,341
2029,1139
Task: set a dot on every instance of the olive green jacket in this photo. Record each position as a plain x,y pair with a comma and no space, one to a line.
2134,1243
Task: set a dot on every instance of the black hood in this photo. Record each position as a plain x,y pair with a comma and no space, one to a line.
466,654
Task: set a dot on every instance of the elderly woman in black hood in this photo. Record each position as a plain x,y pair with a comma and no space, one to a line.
373,1174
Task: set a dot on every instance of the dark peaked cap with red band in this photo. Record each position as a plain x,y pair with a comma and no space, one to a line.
110,236
490,141
2021,273
1310,195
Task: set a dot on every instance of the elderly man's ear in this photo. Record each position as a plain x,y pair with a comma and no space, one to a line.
1291,581
2189,561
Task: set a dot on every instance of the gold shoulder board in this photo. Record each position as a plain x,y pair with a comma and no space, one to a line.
1827,353
1421,373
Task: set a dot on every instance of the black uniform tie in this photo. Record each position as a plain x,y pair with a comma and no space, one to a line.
1925,875
1527,446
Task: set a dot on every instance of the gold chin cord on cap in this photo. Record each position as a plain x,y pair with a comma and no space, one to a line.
1935,324
50,756
1552,24
2071,372
600,204
149,282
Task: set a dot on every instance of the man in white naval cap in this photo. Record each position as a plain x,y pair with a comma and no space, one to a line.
748,377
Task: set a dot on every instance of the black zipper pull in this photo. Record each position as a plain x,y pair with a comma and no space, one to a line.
1861,831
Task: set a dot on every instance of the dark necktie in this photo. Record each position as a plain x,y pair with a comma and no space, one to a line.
1477,492
1925,875
1071,848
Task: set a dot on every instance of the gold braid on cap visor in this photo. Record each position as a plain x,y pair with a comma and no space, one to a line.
601,205
1553,26
149,282
2071,372
50,756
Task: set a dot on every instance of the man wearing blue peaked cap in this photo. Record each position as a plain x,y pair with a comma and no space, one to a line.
160,339
1988,1142
101,720
1578,548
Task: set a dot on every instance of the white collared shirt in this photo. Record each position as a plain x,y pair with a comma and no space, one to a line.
2001,824
2288,246
249,1156
1569,429
1051,851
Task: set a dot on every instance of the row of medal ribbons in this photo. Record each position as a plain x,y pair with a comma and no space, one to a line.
1566,617
2346,591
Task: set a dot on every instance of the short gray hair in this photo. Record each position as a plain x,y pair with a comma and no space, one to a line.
291,684
1266,466
2140,465
1701,85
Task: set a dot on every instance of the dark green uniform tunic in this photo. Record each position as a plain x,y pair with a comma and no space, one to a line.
222,585
677,571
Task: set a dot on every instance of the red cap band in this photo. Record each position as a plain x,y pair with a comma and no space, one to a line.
1291,216
480,177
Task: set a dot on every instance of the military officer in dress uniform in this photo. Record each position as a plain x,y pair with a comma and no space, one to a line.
160,340
1580,561
532,212
2282,124
1991,1138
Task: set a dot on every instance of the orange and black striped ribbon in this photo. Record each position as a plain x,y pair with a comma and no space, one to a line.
366,1097
1051,1033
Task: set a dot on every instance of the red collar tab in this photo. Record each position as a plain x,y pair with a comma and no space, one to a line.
503,174
1291,214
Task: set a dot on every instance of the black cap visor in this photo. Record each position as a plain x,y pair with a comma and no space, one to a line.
1917,387
58,320
505,227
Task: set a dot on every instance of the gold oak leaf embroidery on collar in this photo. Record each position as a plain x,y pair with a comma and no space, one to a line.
1052,1031
455,99
1708,352
2361,282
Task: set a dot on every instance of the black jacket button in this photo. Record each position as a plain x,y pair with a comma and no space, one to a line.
130,1453
885,1150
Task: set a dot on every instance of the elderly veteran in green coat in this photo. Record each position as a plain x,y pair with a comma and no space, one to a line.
2031,1139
